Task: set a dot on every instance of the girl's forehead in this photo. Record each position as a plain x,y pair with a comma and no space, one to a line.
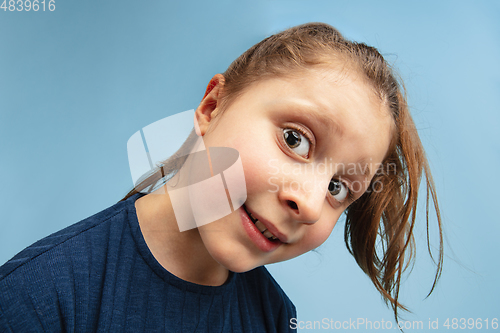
323,89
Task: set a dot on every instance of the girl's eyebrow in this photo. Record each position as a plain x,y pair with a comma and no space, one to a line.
328,124
311,111
365,167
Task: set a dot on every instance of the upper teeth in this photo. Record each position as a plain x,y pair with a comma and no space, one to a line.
268,234
262,228
253,218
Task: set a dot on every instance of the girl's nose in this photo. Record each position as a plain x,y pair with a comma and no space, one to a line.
304,205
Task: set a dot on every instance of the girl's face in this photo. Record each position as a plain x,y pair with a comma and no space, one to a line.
309,147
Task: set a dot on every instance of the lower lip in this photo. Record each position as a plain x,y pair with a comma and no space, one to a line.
255,235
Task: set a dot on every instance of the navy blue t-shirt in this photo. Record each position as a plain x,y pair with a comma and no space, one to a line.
99,275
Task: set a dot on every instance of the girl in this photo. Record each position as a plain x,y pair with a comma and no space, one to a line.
322,128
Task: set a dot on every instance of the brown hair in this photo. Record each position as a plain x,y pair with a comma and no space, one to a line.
379,225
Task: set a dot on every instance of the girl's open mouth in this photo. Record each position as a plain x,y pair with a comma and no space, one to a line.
258,232
262,228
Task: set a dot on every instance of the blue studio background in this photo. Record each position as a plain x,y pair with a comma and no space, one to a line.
77,82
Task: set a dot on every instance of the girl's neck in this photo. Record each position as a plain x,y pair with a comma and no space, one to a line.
181,253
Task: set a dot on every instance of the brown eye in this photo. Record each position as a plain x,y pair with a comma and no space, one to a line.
292,138
338,190
296,141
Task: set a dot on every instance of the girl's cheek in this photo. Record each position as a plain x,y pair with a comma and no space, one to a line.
256,169
321,237
310,242
323,231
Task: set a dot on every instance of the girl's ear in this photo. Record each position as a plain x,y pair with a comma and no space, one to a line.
209,106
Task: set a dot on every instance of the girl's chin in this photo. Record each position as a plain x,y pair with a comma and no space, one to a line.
241,269
235,259
235,263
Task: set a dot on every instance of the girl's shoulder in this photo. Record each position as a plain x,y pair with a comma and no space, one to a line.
57,277
67,238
